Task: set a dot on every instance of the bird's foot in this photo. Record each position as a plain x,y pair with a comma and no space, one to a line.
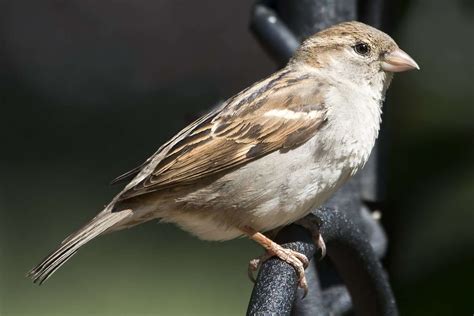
297,260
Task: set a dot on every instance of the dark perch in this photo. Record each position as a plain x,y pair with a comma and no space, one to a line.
355,241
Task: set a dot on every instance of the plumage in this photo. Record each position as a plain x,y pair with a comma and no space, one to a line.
235,135
266,156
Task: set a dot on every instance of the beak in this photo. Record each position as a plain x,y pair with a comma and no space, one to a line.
398,61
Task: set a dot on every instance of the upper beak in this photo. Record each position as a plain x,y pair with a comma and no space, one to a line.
398,61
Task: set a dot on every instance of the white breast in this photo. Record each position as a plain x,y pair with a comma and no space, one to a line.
354,117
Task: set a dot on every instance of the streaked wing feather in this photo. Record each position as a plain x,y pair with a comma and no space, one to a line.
278,115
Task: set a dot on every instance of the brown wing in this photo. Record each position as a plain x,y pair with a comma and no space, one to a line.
278,113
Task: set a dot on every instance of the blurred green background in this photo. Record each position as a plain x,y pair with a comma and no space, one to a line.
90,89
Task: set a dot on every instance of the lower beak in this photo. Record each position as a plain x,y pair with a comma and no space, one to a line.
398,61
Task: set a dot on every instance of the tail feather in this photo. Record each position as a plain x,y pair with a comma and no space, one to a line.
71,244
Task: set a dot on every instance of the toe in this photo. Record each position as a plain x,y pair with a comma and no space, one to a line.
255,264
298,265
252,267
301,257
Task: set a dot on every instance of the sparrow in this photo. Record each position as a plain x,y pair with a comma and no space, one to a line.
266,156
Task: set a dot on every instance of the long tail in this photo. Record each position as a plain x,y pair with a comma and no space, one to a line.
72,243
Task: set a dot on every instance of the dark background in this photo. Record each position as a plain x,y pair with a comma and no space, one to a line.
89,89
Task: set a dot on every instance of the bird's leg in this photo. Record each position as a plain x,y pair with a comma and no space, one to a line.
312,223
294,258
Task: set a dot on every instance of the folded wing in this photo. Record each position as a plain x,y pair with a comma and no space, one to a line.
278,113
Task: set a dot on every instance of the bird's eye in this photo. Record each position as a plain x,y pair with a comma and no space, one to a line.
362,49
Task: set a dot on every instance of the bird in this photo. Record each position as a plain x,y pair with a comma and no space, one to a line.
265,157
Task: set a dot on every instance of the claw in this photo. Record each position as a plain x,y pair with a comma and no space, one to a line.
321,245
304,285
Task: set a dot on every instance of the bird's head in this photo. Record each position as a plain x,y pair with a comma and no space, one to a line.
354,50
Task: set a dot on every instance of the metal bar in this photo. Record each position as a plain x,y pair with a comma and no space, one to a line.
273,34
